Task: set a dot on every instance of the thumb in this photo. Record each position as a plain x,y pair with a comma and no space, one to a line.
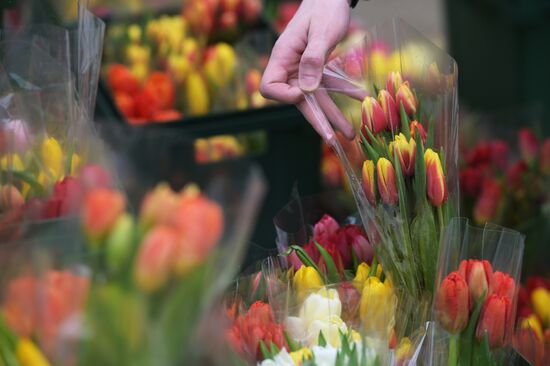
311,65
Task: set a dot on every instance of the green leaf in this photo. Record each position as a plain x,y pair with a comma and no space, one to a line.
265,352
322,342
274,349
292,345
402,193
419,171
467,336
354,259
304,257
25,177
431,132
373,267
370,151
405,122
69,161
333,275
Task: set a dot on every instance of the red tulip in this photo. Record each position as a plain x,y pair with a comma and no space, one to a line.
325,231
390,109
480,154
478,275
528,145
545,157
393,83
354,239
121,79
436,184
516,174
499,153
488,203
405,97
534,282
503,285
372,116
160,85
126,104
66,199
470,181
369,184
495,320
452,303
385,174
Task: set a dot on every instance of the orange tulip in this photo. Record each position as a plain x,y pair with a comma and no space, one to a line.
101,209
163,88
405,152
503,285
405,97
385,174
393,83
391,112
494,320
158,206
156,258
452,303
372,116
369,185
478,275
435,179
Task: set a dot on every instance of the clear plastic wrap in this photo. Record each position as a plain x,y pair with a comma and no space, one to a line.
476,294
399,91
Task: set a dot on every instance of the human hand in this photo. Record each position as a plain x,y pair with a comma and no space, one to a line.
299,56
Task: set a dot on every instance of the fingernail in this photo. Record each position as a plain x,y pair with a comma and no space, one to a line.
309,82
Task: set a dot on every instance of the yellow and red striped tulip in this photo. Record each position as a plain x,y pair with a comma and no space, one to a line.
435,179
372,116
385,174
369,184
405,152
390,109
394,82
405,97
416,127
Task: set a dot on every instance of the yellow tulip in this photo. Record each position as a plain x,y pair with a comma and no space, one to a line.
404,350
377,308
137,54
29,355
220,67
306,280
134,33
197,94
540,298
301,355
12,162
140,71
52,156
178,67
362,274
532,322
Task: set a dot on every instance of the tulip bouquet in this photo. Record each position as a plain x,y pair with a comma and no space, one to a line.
476,297
532,338
170,66
406,128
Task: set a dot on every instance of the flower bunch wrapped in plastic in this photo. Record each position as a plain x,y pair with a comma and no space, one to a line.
49,153
476,294
532,338
171,67
399,91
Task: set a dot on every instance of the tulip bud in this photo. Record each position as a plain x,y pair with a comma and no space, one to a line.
416,127
516,174
391,112
119,243
10,198
220,64
101,209
540,299
369,184
470,181
503,285
28,354
120,79
405,97
545,157
158,206
377,308
155,258
405,152
12,162
372,116
404,352
94,176
253,79
306,280
494,320
435,179
452,303
363,273
393,83
478,275
488,202
528,145
52,156
197,94
385,174
529,340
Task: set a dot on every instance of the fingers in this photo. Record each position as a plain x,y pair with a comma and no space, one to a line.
313,120
274,84
312,64
334,115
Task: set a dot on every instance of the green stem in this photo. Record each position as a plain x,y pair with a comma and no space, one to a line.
453,350
440,218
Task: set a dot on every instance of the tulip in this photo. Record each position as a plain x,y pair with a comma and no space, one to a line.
119,242
196,94
101,209
363,273
529,340
405,97
52,156
253,79
12,162
478,275
488,202
417,127
125,104
499,153
305,280
495,320
146,104
516,174
435,179
162,87
17,134
220,64
540,299
503,285
528,145
155,258
534,282
452,303
470,181
158,206
372,116
369,184
120,79
405,152
360,245
65,200
303,354
251,10
94,176
325,231
377,308
351,298
28,354
545,157
179,67
404,351
10,198
393,83
391,112
385,174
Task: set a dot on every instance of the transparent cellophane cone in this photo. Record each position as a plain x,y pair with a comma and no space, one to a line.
362,71
503,249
